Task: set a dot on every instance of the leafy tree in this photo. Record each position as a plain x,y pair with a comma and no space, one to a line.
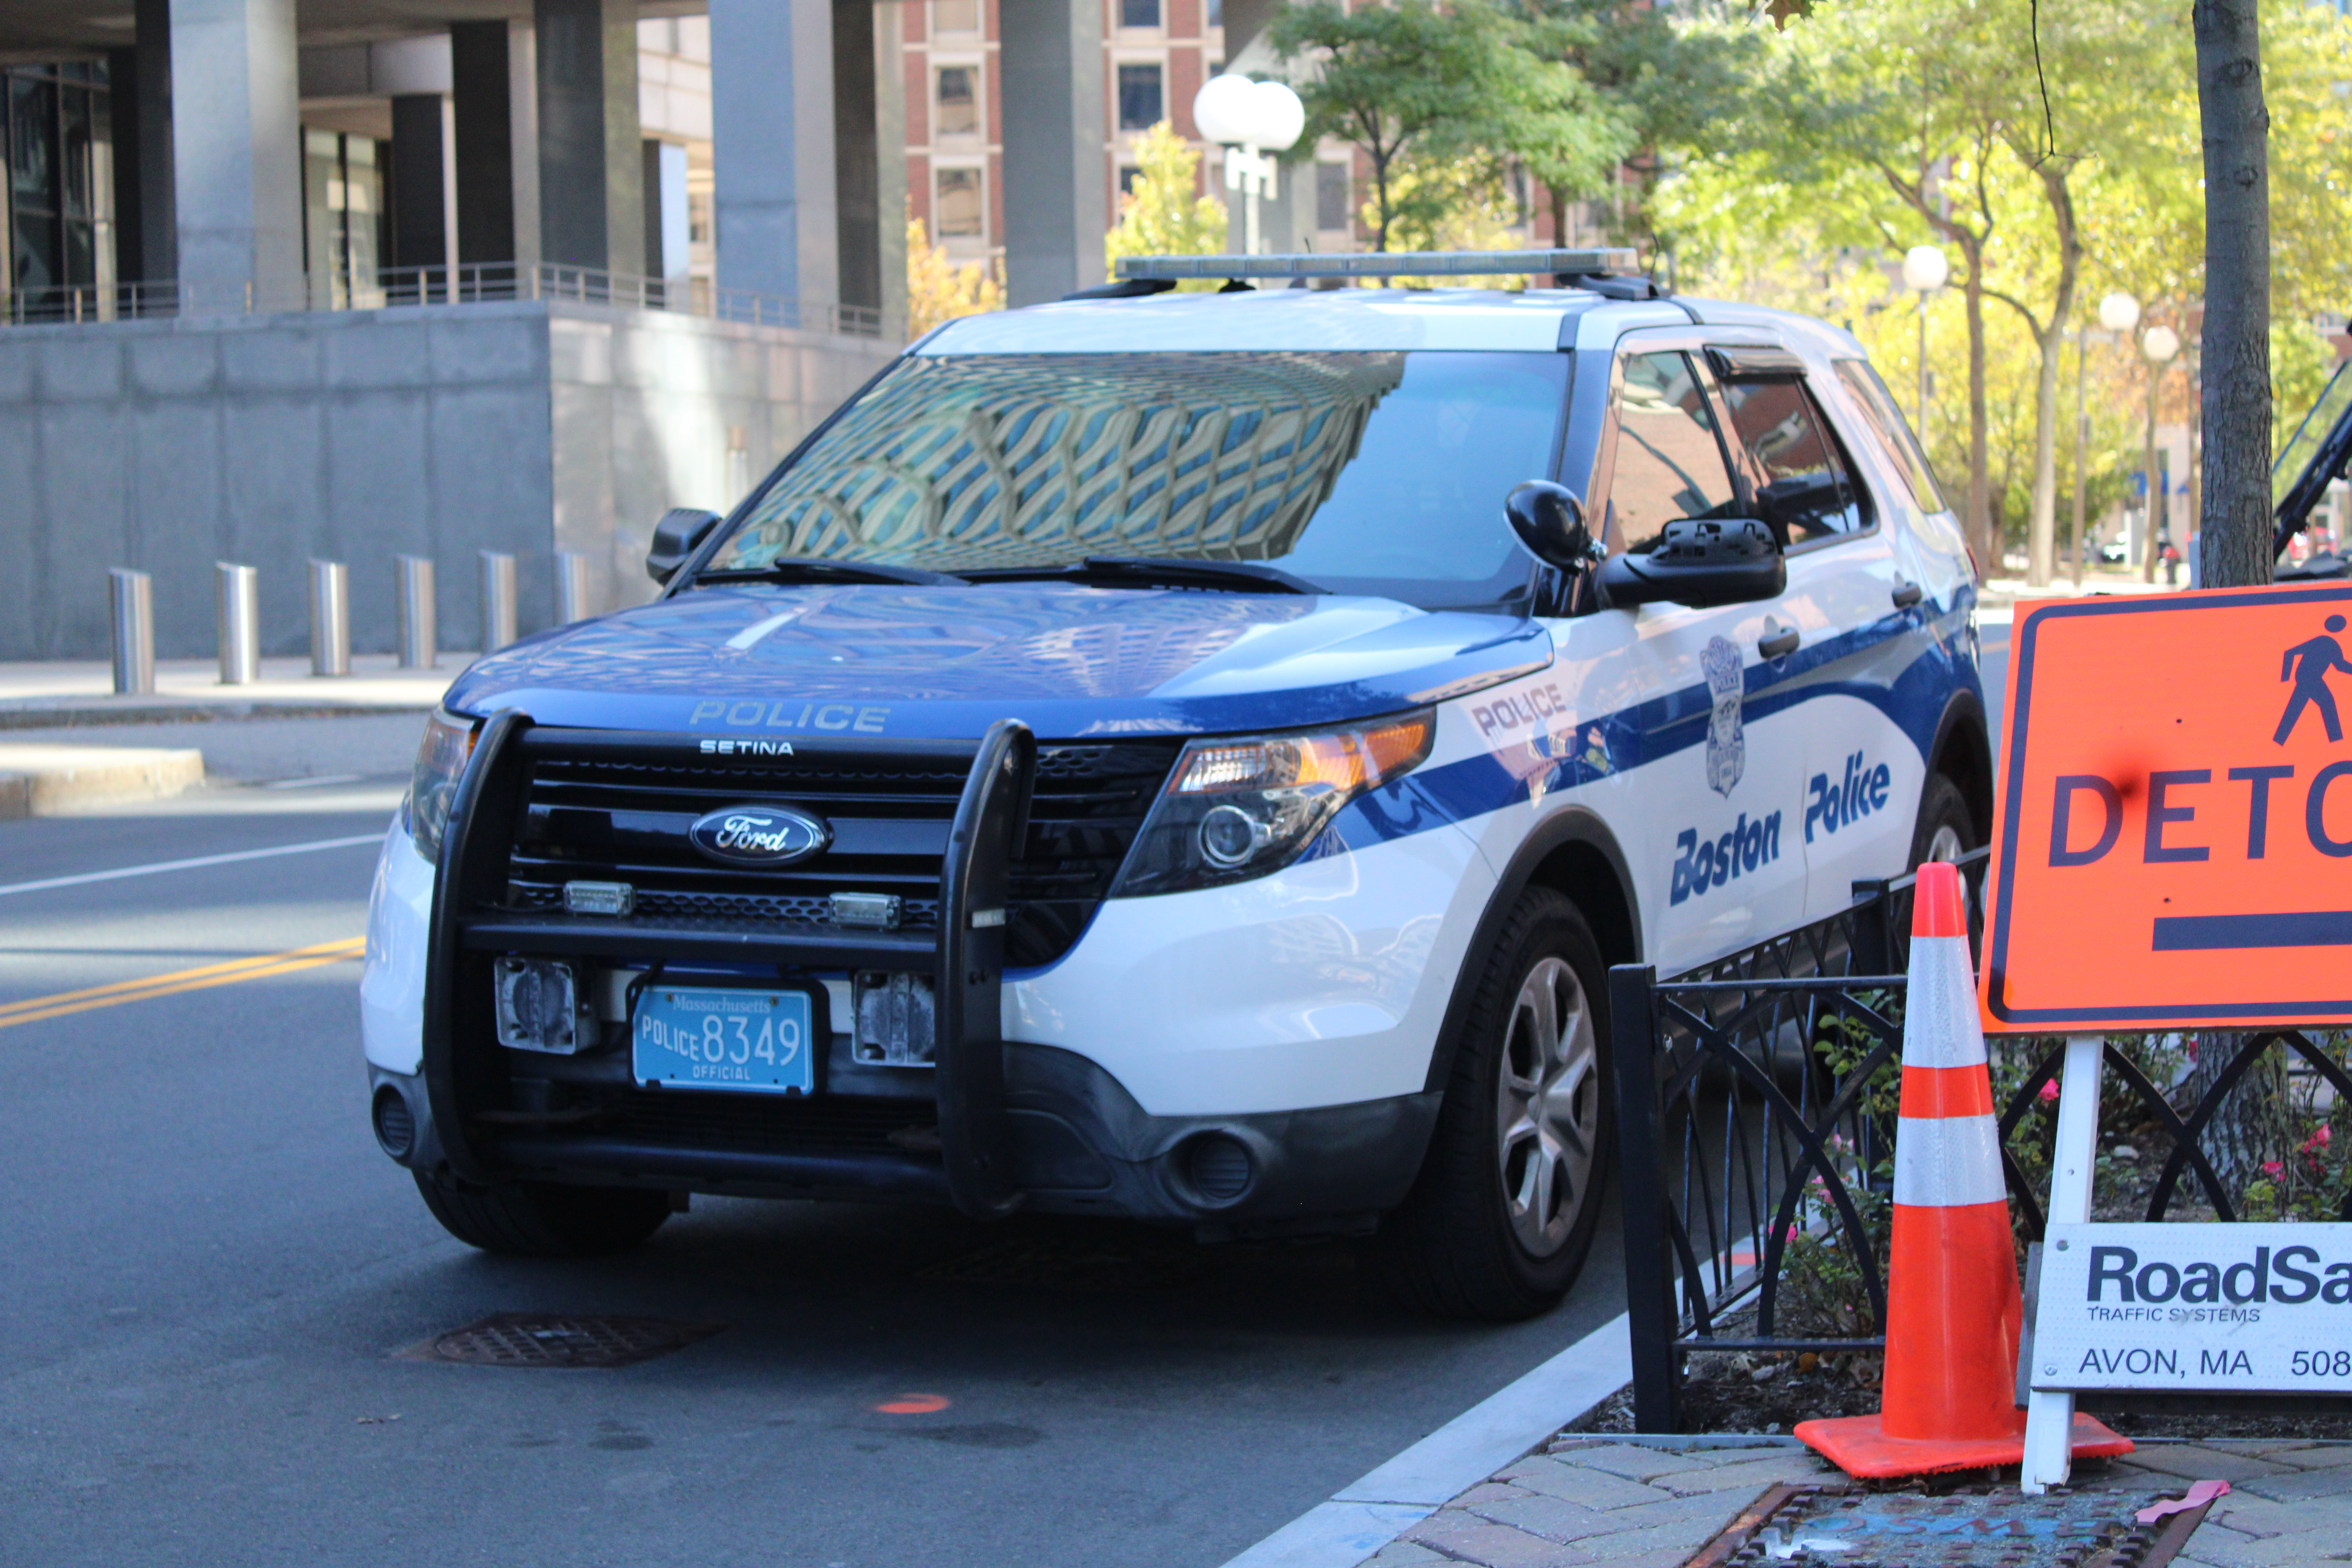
938,291
1417,82
1162,213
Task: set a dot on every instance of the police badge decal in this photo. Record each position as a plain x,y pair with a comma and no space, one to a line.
1727,744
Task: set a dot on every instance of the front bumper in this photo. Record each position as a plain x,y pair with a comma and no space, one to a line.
1080,1145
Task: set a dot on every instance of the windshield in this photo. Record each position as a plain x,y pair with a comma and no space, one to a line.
1376,473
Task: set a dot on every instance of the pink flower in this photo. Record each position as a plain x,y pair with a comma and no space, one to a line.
2274,1168
2318,1141
2049,1091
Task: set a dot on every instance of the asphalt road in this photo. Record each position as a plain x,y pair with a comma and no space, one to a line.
211,1272
211,1275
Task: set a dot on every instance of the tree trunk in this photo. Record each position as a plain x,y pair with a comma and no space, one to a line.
1979,525
2234,547
2045,529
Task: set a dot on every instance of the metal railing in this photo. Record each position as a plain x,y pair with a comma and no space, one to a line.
473,283
1756,1104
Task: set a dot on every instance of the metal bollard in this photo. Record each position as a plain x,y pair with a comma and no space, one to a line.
571,587
131,603
414,609
498,600
237,602
330,618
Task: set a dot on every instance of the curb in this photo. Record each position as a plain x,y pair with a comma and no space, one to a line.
83,716
47,781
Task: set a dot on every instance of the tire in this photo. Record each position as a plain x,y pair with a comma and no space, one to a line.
1483,1235
537,1219
1947,827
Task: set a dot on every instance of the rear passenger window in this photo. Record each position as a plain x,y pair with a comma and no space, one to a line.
1806,492
1669,464
1894,434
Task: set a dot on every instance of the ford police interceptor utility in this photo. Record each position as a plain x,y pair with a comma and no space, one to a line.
1185,756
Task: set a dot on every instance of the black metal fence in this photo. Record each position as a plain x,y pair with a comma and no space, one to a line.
1756,1102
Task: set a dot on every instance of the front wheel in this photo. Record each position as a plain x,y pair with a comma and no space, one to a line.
1501,1217
543,1219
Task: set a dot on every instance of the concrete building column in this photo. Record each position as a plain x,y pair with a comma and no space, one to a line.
236,148
774,148
1056,207
496,142
146,244
590,161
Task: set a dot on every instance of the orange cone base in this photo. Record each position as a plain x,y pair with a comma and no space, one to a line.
1859,1446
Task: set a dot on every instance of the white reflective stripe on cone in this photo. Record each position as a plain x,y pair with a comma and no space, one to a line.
1940,1028
1947,1162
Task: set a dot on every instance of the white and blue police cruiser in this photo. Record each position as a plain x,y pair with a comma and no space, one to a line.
1186,756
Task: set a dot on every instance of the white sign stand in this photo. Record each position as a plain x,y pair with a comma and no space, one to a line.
2050,1416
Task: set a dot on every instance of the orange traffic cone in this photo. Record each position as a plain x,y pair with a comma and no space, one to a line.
1953,1309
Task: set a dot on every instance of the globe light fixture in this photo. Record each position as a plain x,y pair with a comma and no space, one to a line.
2160,344
1925,269
1252,120
2120,313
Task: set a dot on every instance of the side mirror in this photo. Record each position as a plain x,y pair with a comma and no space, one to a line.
1549,520
1701,561
677,536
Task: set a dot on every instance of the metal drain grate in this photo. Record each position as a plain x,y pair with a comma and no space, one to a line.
1974,1527
562,1340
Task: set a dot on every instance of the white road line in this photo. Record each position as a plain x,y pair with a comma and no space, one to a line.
151,871
1361,1520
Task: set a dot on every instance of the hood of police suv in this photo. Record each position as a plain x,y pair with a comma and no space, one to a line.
946,662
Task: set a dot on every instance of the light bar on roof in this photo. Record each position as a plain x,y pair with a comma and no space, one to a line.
1383,264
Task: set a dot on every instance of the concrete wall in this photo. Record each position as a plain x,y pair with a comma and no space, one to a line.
166,446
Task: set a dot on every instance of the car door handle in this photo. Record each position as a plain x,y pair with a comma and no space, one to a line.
1780,644
1907,594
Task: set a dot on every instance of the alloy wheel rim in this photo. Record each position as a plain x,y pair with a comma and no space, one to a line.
1548,1106
1944,844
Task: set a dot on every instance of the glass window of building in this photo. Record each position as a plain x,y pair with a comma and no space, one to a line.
959,112
956,209
61,182
344,234
1142,98
955,15
1331,196
1139,13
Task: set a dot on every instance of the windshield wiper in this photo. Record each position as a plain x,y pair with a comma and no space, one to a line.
815,569
1147,572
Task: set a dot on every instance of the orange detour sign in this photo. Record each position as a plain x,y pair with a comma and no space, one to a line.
2172,823
1952,1302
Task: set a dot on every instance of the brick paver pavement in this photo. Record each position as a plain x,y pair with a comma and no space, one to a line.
1650,1502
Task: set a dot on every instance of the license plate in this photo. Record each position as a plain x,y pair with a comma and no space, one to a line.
708,1036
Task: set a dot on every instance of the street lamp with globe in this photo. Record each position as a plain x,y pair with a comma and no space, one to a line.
1252,120
2159,344
1925,270
2118,314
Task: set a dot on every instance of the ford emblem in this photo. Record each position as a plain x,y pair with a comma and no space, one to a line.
759,835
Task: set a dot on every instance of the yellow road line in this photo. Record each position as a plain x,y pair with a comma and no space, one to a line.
260,967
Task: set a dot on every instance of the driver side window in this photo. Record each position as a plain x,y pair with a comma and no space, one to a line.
1669,463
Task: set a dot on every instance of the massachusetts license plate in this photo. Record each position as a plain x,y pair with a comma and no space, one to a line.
708,1036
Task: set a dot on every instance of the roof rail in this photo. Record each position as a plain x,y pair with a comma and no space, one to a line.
1385,264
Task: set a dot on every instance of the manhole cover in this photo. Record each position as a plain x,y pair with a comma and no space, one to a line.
1072,1263
561,1340
1976,1527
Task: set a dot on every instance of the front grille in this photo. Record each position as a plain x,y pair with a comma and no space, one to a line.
598,819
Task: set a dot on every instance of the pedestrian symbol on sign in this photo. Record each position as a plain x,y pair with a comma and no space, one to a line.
2310,664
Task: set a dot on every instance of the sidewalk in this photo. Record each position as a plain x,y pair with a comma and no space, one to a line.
1654,1501
73,693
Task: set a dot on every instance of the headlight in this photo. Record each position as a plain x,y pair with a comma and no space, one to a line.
440,760
1235,809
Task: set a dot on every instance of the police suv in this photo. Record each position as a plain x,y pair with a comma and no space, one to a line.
1186,756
